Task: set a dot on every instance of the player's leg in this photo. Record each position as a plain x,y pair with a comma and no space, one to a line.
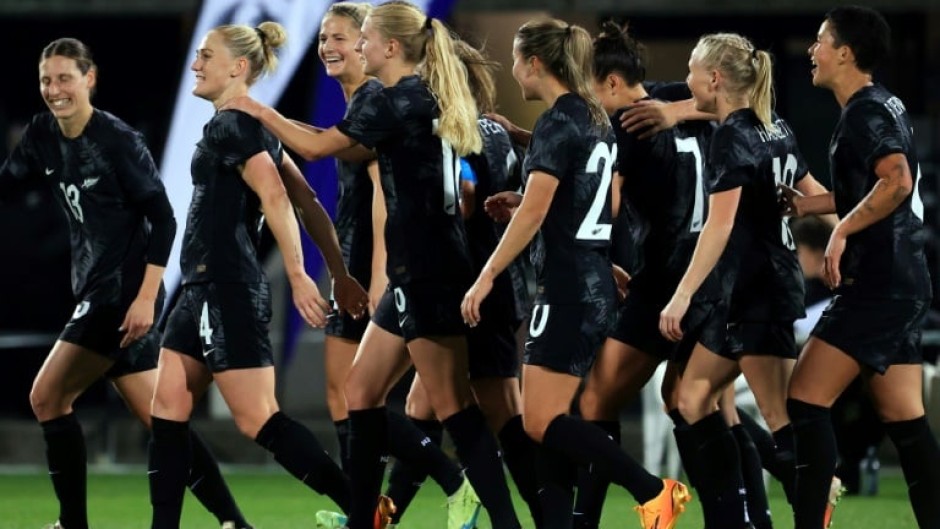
66,373
338,354
618,375
758,507
715,454
380,362
205,479
898,396
821,374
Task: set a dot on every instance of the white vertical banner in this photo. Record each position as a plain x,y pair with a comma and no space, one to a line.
301,19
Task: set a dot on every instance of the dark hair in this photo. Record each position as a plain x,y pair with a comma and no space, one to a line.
812,232
863,30
616,52
73,49
567,53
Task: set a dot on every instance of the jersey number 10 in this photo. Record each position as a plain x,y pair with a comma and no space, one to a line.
783,174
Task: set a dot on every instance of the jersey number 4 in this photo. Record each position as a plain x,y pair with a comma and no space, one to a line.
592,229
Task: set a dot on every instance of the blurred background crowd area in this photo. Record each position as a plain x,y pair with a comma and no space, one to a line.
142,49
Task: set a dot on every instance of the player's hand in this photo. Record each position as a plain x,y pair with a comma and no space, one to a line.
311,305
470,307
670,319
245,104
350,296
502,205
137,321
622,278
833,256
648,117
790,201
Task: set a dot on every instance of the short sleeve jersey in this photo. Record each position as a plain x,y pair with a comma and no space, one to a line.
496,168
571,255
886,259
98,178
424,232
760,256
354,204
663,181
222,234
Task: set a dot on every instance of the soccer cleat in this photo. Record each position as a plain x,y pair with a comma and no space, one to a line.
662,511
232,525
836,491
463,507
331,520
383,513
55,525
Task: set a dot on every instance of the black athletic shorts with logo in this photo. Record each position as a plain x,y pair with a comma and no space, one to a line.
224,325
566,338
421,310
343,325
94,325
877,333
761,338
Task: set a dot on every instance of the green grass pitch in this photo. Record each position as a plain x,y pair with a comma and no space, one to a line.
274,500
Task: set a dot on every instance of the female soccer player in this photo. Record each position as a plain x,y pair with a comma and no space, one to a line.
744,247
662,181
122,227
418,125
492,348
567,203
360,221
218,330
875,262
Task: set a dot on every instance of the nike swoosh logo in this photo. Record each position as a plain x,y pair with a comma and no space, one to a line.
209,352
150,472
49,171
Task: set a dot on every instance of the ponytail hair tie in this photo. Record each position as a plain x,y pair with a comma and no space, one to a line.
261,36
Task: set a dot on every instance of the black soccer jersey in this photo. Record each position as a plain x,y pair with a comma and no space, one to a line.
496,168
664,183
97,178
760,256
223,225
354,204
424,232
886,259
570,256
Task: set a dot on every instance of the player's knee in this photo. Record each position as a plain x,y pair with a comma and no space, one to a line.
46,404
534,427
694,404
361,395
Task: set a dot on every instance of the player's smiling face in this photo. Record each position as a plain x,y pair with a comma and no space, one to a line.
64,88
701,84
522,73
373,48
824,55
213,67
338,37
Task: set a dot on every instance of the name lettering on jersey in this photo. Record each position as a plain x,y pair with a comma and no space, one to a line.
489,128
777,131
895,107
49,171
89,183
